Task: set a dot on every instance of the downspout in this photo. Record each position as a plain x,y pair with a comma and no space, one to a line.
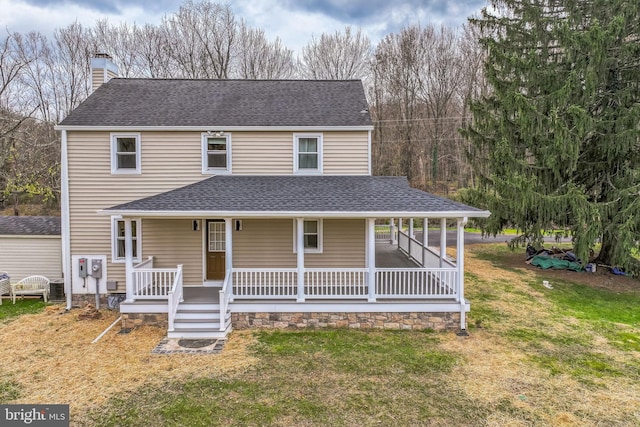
460,266
64,223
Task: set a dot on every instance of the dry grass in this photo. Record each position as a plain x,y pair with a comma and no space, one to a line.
53,361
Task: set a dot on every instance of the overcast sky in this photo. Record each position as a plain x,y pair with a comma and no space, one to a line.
294,21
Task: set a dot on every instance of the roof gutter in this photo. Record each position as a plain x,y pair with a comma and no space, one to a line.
214,128
293,214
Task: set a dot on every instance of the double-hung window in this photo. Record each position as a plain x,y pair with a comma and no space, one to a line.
307,153
118,236
125,153
216,153
312,232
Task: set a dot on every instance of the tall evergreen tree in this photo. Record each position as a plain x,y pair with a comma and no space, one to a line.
557,142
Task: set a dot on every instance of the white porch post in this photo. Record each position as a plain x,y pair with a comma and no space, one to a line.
460,267
228,249
443,241
394,232
128,257
300,253
371,258
411,233
425,240
399,225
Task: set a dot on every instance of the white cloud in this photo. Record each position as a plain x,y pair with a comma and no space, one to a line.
18,16
279,18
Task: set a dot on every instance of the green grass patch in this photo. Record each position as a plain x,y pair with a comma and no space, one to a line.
9,390
386,352
584,366
592,304
623,340
8,310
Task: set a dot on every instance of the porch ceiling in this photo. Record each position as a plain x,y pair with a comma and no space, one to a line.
291,195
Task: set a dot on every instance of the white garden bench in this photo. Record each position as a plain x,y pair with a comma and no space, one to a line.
32,285
5,285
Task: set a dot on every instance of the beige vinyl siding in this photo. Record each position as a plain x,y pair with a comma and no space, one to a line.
268,243
173,159
168,160
264,243
27,255
343,245
173,242
271,153
345,153
262,153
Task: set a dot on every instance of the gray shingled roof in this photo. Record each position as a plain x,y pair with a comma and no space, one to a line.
339,194
30,225
175,102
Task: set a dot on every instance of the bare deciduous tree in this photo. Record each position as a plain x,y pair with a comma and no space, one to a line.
342,55
200,38
258,58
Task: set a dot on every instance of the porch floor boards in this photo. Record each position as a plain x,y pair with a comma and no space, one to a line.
389,256
201,294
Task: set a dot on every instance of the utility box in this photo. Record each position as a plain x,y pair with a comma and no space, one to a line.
56,290
96,268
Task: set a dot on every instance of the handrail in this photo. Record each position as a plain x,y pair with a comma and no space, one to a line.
148,263
175,297
226,294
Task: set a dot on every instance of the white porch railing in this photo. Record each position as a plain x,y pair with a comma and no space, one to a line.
226,295
264,283
175,297
416,283
432,258
383,232
153,283
343,283
335,283
418,252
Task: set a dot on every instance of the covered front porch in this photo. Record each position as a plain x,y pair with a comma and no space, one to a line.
401,274
283,252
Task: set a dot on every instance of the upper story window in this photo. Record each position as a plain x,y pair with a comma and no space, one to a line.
216,153
307,151
125,153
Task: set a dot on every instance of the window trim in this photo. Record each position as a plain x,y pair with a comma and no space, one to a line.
296,153
114,240
114,154
320,247
205,161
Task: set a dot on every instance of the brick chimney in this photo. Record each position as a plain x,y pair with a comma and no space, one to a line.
102,70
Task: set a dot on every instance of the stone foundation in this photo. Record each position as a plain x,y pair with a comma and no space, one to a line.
80,300
131,320
404,321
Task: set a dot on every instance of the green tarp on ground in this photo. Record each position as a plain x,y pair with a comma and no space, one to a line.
546,262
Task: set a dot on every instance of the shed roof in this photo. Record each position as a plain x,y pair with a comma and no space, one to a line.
30,225
223,103
289,194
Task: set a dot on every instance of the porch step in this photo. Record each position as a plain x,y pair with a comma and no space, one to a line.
196,334
199,321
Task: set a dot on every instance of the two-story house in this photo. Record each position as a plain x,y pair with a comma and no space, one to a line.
212,203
